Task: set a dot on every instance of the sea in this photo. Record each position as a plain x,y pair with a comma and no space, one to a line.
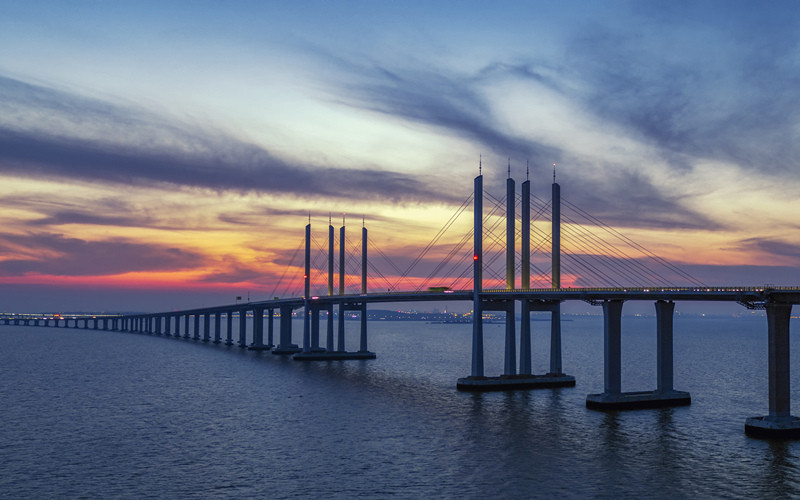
95,414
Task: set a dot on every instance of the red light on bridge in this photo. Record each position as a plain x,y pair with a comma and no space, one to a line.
474,257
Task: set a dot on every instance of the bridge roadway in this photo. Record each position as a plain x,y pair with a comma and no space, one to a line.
777,301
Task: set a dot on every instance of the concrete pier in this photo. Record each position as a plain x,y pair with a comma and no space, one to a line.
258,331
341,353
242,329
229,328
217,333
779,424
285,345
613,398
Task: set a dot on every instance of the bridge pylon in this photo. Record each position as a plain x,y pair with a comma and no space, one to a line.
314,305
482,301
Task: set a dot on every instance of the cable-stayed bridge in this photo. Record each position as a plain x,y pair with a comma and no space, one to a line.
526,256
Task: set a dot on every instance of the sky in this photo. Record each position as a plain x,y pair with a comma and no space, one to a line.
166,155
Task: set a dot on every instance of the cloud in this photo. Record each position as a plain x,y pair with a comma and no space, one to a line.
615,193
697,87
70,217
55,254
779,250
94,141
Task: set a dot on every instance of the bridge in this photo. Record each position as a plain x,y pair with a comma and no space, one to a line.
202,323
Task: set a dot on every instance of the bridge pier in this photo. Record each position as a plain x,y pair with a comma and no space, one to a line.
329,336
258,331
340,332
217,333
243,329
779,423
196,335
285,345
613,398
318,354
186,329
229,328
511,380
206,327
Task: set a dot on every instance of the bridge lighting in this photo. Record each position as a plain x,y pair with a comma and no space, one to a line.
474,257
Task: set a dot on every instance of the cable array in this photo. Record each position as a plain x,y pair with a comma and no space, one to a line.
593,253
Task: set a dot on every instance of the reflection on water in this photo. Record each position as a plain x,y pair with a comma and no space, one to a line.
109,414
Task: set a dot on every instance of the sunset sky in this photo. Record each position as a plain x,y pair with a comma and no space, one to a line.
162,155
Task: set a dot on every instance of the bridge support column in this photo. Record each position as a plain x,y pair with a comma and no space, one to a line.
779,423
271,329
555,341
196,335
329,337
258,330
340,337
363,343
177,319
229,328
186,329
167,325
510,365
315,329
217,333
285,345
525,339
613,398
206,327
243,329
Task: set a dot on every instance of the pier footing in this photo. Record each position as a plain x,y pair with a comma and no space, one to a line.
514,382
262,347
773,427
286,349
332,356
637,400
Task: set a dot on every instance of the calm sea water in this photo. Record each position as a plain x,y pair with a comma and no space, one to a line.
101,414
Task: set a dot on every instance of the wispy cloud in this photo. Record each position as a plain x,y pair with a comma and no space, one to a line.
56,254
696,87
617,193
156,152
775,250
